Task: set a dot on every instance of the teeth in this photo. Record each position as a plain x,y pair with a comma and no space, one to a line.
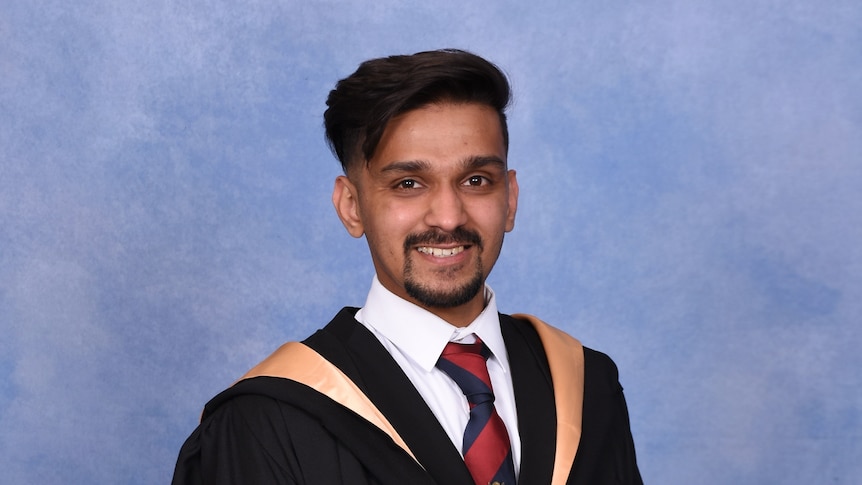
440,253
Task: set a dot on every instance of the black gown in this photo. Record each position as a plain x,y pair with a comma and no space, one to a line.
270,430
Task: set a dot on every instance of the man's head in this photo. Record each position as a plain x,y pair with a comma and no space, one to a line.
362,104
427,180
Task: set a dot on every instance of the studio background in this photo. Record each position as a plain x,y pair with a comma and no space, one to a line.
690,204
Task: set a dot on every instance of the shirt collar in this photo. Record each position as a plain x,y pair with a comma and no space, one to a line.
421,335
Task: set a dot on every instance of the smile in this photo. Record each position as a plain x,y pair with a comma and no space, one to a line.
440,252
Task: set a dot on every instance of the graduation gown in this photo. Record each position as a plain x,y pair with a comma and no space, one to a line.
277,430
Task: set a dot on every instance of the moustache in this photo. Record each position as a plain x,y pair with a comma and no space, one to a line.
459,236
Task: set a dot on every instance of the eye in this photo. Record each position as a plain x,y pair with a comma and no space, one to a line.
407,184
476,181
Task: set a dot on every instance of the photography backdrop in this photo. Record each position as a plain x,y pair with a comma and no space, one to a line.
690,204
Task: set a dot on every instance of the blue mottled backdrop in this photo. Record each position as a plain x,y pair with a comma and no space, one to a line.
690,203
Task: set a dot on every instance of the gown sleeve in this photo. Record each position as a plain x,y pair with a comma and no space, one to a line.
607,451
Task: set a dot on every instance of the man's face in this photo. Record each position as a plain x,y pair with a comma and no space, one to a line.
434,203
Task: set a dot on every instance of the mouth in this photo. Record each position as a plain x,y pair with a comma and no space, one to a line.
441,252
440,245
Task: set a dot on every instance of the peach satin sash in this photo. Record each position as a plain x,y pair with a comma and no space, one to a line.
298,362
566,359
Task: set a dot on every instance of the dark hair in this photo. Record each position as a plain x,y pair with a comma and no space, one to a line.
362,104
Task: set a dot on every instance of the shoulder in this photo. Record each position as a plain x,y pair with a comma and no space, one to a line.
251,394
598,366
263,409
601,375
600,362
243,437
270,430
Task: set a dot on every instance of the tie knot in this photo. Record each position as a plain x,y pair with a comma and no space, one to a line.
454,349
466,365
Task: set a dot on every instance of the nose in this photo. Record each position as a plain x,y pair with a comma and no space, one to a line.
446,209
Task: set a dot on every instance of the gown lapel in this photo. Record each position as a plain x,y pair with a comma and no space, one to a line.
534,400
371,367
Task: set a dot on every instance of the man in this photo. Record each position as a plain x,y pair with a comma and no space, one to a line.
426,383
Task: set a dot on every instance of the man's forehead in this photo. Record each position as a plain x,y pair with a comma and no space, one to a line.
465,129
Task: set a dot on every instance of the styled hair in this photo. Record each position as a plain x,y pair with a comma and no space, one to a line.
362,104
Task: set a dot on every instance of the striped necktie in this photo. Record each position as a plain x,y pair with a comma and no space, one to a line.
486,448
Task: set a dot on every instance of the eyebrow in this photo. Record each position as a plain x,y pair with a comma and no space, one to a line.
477,162
470,163
407,166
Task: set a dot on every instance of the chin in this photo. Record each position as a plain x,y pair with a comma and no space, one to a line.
448,297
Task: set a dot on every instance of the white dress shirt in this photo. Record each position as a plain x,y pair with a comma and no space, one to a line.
416,337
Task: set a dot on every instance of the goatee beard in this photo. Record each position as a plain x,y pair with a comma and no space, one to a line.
448,297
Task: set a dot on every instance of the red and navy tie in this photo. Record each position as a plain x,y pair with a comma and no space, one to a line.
486,447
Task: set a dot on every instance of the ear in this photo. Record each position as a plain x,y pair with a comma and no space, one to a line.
513,200
345,198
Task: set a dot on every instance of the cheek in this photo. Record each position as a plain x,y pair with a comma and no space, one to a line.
386,233
396,221
493,217
386,251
